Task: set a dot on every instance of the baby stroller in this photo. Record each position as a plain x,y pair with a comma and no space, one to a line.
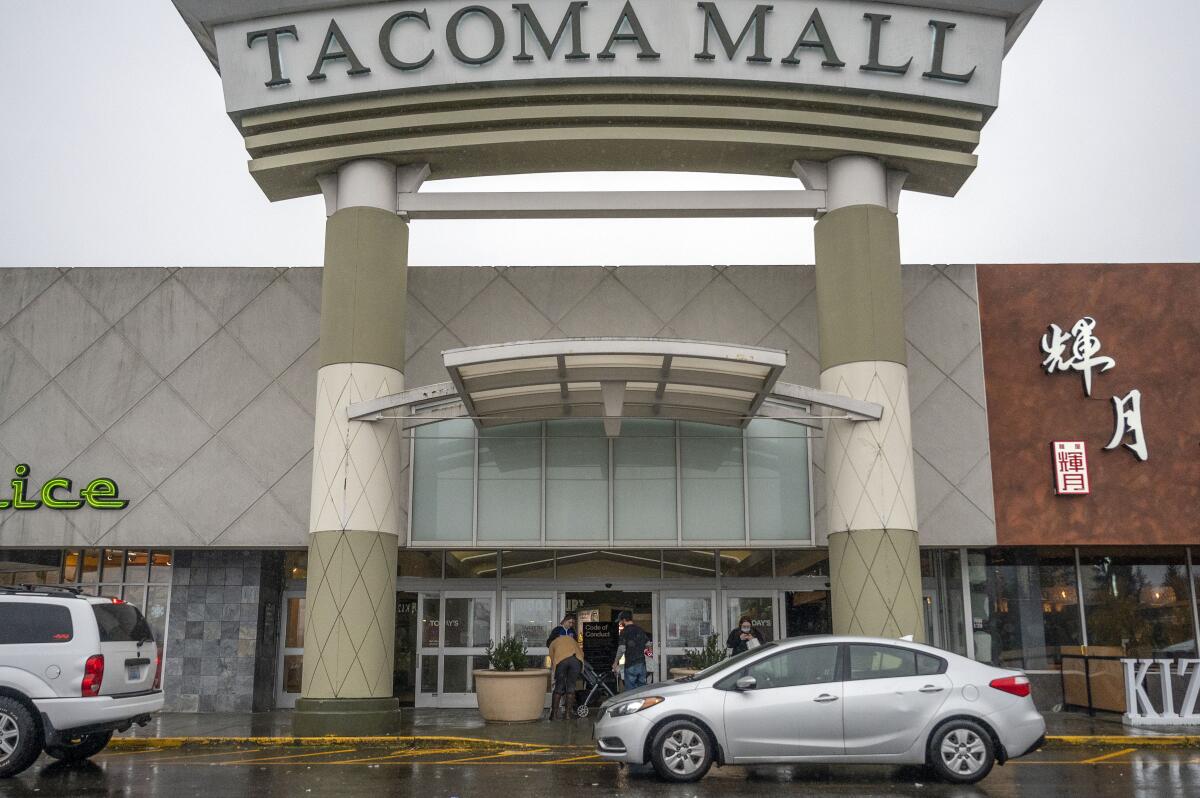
596,683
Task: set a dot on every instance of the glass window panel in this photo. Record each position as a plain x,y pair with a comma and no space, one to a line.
468,622
881,662
759,609
527,564
135,595
689,564
137,565
688,621
576,481
294,633
942,588
459,676
711,467
71,567
91,566
510,482
293,673
160,567
799,666
429,674
431,621
425,564
443,481
745,562
31,566
531,619
614,564
777,468
471,564
158,597
112,566
1137,602
1024,606
807,612
801,562
644,491
295,564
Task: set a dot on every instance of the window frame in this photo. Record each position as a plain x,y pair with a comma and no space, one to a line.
943,663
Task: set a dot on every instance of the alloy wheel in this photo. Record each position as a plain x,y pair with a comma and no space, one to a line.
963,752
684,752
10,735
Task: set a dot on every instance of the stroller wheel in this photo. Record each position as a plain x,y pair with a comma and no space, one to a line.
581,711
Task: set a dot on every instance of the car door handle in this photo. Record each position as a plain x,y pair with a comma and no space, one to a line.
825,698
931,688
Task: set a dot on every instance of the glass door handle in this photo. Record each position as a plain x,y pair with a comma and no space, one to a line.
825,698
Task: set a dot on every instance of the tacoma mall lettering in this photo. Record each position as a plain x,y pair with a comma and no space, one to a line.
390,46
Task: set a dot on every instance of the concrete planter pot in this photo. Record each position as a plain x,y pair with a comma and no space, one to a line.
512,696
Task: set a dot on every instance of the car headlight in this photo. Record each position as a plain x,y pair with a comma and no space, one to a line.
637,705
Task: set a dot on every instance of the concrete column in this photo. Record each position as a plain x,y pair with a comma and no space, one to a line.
874,560
356,515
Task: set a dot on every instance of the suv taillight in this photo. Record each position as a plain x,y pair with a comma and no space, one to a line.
157,667
1014,685
93,675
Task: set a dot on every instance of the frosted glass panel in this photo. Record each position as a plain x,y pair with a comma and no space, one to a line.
777,465
510,482
443,477
576,481
711,465
644,481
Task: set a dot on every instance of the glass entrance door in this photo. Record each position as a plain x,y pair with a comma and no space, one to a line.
761,607
529,616
687,623
455,629
291,650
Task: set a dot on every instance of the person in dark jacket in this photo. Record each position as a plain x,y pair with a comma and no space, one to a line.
740,637
566,627
632,646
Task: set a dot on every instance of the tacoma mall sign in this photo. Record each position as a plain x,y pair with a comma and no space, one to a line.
876,47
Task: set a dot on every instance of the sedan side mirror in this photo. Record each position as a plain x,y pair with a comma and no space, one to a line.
746,683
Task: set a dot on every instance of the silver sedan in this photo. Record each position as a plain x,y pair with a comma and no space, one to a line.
828,700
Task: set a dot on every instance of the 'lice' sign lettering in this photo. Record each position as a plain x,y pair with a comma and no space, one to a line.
56,494
393,46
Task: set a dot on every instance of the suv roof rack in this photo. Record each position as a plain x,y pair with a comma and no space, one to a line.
42,590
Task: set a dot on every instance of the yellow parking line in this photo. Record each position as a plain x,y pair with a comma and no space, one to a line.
1112,755
489,756
273,759
572,760
398,755
208,753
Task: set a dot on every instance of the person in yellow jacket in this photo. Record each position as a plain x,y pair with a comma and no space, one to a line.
566,663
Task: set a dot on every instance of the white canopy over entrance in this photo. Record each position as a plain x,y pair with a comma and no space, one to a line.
611,379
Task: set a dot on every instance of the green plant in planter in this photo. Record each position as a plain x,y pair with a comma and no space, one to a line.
712,653
509,654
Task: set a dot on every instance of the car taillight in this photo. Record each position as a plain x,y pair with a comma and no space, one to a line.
93,675
1014,685
157,667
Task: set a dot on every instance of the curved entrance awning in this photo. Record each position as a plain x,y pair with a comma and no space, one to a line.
612,379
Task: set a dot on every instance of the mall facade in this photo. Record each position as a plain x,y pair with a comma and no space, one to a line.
193,391
331,488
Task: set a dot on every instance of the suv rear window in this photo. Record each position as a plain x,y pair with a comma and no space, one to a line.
120,623
32,622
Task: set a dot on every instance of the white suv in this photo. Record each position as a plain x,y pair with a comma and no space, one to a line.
73,669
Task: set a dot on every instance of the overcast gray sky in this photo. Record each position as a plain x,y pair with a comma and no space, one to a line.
116,151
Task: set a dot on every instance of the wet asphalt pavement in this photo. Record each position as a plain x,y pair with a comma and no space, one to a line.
462,769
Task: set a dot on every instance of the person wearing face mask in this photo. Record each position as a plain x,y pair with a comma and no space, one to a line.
744,636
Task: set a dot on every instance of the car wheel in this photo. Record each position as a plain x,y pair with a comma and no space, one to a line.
81,748
961,751
20,738
681,751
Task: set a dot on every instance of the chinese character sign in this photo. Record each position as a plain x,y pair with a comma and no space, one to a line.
1084,351
1070,468
1128,412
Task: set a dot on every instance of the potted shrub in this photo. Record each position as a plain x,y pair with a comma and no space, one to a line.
701,658
509,690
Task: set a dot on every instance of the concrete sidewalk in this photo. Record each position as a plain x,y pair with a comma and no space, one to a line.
1063,728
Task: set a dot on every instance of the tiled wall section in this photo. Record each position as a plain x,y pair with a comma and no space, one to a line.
195,388
215,658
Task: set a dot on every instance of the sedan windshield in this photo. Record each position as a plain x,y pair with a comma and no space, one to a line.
727,663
